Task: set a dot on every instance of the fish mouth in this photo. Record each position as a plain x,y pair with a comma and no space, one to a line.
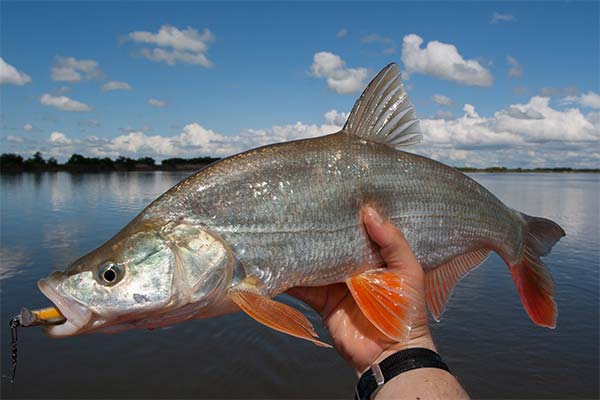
77,315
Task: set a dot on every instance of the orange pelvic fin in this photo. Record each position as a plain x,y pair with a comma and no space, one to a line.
386,300
440,282
273,314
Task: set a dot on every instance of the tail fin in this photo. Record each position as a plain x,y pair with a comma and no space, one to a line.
531,276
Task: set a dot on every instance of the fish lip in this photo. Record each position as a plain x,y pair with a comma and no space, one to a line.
77,315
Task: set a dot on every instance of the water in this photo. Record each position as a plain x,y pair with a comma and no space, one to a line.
48,220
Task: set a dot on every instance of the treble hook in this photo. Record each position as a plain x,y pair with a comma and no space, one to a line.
14,324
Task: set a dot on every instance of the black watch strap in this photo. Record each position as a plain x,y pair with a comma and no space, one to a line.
394,365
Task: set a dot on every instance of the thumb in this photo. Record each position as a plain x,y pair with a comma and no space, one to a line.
395,250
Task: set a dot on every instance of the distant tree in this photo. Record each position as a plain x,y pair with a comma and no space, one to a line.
37,159
172,162
176,161
146,161
52,161
11,158
77,162
35,163
11,162
76,159
125,163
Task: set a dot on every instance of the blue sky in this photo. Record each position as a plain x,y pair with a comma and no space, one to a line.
493,83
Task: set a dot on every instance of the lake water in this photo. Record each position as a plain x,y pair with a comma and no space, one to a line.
48,220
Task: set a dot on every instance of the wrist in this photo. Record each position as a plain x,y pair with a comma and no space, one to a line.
419,338
393,368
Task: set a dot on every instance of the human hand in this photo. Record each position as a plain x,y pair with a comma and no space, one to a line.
357,340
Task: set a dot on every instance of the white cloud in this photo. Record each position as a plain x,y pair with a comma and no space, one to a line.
59,138
28,127
339,78
526,135
63,90
442,100
381,40
186,45
156,103
342,33
136,142
589,99
63,103
69,69
442,60
531,134
515,70
128,129
561,91
375,38
90,123
520,113
497,17
519,124
333,117
195,139
15,139
443,114
9,74
115,85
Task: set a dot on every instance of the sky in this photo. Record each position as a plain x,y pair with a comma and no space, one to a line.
513,84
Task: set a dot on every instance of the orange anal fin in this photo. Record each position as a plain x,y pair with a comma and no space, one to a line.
386,300
440,282
274,314
536,290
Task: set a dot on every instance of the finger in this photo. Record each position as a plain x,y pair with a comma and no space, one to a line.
311,296
323,299
395,250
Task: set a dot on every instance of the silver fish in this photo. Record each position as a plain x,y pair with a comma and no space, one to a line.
249,227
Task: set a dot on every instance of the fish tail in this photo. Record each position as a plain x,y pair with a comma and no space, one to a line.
531,276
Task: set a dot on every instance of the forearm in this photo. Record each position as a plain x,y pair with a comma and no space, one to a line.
422,383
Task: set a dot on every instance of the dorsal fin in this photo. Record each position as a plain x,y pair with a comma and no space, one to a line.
384,113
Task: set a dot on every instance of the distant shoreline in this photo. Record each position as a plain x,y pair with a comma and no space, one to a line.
196,167
14,163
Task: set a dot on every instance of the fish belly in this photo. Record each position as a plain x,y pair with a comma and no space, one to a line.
291,212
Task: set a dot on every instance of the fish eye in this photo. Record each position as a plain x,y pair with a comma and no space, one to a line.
109,274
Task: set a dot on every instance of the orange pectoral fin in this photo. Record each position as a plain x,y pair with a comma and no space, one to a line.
386,300
275,315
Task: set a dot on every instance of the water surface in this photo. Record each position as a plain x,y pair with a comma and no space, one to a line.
48,220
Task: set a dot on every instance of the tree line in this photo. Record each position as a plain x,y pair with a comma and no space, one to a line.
11,162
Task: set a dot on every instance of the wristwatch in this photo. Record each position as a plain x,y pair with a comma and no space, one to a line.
397,363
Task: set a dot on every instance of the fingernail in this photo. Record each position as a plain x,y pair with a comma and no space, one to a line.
375,215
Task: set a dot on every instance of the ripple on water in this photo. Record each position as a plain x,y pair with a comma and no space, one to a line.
48,220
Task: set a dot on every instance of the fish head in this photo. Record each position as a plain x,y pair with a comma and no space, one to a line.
148,275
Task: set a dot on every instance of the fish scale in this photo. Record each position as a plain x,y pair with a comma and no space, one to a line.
324,240
251,226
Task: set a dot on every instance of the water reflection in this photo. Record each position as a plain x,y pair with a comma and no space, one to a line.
12,262
49,220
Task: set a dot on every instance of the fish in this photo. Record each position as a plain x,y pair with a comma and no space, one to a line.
249,227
